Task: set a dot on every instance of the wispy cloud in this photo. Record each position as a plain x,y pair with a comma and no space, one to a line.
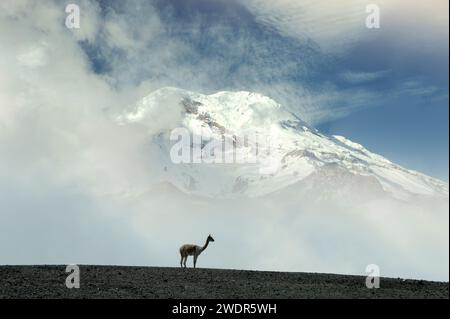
417,88
355,77
338,25
334,26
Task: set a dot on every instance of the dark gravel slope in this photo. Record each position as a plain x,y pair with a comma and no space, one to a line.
155,282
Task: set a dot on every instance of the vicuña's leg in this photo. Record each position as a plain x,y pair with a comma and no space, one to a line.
181,261
195,260
184,262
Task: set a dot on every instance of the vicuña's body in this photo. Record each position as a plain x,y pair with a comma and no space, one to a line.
192,250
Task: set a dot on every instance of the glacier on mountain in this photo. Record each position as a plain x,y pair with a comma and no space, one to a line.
302,154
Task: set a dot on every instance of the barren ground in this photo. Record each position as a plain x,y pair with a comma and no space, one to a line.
158,282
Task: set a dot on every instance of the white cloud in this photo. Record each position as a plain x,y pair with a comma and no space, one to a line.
59,150
34,57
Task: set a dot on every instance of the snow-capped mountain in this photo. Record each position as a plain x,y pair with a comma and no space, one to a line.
282,151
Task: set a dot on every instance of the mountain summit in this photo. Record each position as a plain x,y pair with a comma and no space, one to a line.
299,157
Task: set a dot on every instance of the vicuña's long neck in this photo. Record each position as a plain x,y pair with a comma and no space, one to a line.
206,245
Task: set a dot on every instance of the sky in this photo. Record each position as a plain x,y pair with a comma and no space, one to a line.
385,88
69,176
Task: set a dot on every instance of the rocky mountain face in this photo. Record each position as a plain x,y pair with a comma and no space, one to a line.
232,144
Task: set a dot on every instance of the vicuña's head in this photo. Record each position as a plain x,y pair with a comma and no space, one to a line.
210,238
